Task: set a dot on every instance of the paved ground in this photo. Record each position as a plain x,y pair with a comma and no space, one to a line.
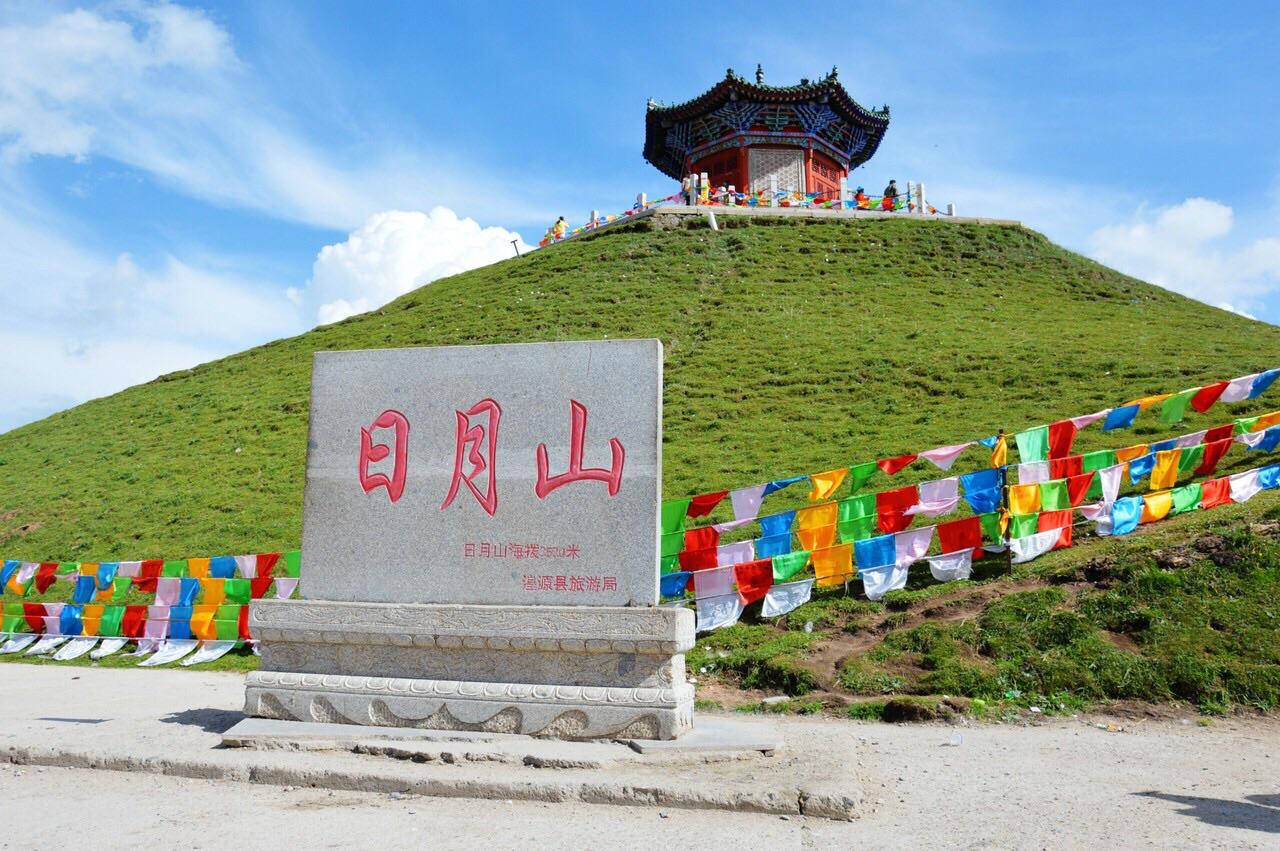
1059,784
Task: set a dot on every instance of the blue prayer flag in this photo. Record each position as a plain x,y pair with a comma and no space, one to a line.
1120,417
774,545
874,552
1270,438
10,567
222,567
672,585
984,501
188,590
1163,445
779,484
70,620
981,480
1141,467
86,587
179,628
990,442
1269,477
777,524
107,574
1125,514
1262,382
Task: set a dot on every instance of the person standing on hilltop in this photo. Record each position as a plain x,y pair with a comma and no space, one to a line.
560,228
890,196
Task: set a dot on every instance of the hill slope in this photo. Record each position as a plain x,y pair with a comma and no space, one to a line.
791,346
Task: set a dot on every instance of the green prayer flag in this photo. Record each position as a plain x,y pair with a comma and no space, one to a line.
226,630
1245,424
12,610
672,544
109,627
1175,407
787,566
292,562
858,506
236,590
856,529
1098,460
1053,495
174,568
227,611
860,473
669,564
990,527
12,624
1023,525
120,587
1033,444
1186,498
1190,458
674,512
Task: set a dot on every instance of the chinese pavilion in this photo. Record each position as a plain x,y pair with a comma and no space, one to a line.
806,137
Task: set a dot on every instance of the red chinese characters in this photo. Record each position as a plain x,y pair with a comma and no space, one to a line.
477,446
612,477
371,452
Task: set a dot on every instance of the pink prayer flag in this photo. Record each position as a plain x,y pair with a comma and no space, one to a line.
910,546
944,456
746,502
1088,419
129,568
167,588
731,554
285,586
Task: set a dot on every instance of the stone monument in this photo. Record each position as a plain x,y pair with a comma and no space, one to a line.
480,547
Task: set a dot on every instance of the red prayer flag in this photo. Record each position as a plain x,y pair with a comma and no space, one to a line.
701,506
701,538
242,623
259,585
956,535
134,622
1215,492
755,578
1222,432
1213,453
33,614
1078,487
148,573
45,576
1065,468
267,563
1061,435
1208,394
1053,520
890,506
699,559
892,466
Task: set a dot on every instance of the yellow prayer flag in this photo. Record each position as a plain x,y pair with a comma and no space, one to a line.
202,626
213,591
826,484
198,568
88,568
1147,401
833,565
1131,452
1024,499
816,539
1165,473
1155,506
1000,455
1266,421
818,515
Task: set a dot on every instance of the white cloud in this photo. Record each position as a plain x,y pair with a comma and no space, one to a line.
397,251
1187,248
159,87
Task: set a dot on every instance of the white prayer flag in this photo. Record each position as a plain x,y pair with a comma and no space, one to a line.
209,651
1110,479
786,597
171,651
878,581
47,644
1033,472
944,456
910,546
936,498
950,567
1251,438
1190,439
76,647
285,586
1238,389
715,612
746,502
731,554
107,647
1244,486
247,566
18,643
713,582
1034,546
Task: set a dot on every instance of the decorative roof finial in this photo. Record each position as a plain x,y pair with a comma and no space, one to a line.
835,72
759,74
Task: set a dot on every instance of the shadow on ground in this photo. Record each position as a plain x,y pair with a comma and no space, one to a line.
1255,812
209,720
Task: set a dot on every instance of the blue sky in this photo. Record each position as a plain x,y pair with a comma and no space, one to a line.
181,181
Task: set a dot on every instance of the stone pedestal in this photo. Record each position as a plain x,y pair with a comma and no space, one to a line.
571,672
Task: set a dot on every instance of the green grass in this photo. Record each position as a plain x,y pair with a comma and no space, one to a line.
791,346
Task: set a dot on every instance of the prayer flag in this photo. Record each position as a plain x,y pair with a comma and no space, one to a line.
782,599
1262,382
1033,546
704,504
891,507
673,513
788,565
856,528
1141,467
859,474
833,566
1078,487
1060,436
826,484
754,579
937,497
746,502
1024,499
1190,458
1053,495
910,546
950,567
1065,468
875,552
1125,514
779,484
773,545
817,539
1205,397
1033,472
1186,498
1244,486
1155,506
944,456
957,535
892,466
1000,452
718,611
1120,417
1237,389
1215,492
1033,444
777,524
879,581
1022,525
1165,472
1175,407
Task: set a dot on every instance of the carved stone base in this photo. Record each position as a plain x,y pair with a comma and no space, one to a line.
559,671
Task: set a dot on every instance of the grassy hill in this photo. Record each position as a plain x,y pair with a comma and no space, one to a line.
791,346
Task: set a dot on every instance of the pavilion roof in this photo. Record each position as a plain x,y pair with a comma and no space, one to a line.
665,149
